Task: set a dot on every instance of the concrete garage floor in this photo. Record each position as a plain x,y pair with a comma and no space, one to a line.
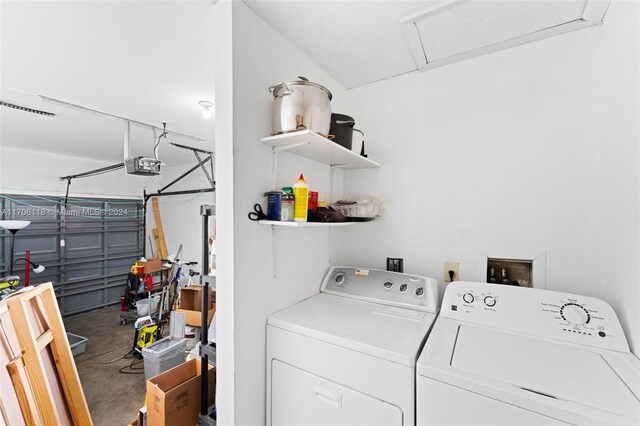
113,398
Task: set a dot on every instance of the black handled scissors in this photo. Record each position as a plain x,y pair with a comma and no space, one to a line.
257,213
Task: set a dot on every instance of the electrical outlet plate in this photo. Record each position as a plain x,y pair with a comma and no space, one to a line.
451,266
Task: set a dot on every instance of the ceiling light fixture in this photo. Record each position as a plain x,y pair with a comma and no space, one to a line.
206,109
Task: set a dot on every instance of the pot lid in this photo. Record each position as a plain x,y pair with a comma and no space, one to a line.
302,82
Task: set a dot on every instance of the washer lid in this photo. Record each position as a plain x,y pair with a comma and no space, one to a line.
555,370
387,332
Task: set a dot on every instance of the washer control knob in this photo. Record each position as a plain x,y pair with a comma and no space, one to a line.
403,287
388,284
468,297
419,291
490,301
339,279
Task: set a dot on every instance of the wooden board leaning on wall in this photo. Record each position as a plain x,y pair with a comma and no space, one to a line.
40,383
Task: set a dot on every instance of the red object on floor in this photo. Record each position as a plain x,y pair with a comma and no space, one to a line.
123,307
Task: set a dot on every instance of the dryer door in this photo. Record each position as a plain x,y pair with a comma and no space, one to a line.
301,398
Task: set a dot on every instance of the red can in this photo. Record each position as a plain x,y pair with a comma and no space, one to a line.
123,307
148,282
313,200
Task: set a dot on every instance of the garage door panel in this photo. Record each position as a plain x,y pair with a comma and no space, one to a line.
120,265
83,245
82,285
83,301
85,213
85,270
47,259
103,238
114,293
50,274
33,209
122,241
37,245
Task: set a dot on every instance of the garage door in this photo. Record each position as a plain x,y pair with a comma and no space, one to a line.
87,252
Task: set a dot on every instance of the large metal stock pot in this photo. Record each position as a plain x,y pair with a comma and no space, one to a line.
301,105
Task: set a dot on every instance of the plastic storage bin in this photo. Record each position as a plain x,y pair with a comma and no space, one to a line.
142,306
168,352
77,343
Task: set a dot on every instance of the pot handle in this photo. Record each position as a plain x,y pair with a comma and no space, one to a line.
274,87
359,131
303,78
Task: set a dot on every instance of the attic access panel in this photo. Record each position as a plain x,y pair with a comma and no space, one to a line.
455,30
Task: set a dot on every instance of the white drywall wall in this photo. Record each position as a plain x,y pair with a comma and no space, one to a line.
180,214
261,57
533,149
224,195
33,171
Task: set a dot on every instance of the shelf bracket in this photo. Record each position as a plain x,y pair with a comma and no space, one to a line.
274,248
330,261
275,155
331,169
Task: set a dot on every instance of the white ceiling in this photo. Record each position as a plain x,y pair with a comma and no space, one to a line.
357,42
477,24
147,61
363,41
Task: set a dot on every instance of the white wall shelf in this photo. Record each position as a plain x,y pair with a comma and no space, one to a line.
305,224
311,145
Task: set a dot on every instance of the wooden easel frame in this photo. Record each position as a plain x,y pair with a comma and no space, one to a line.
30,311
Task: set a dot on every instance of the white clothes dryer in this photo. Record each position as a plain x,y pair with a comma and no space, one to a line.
505,355
347,355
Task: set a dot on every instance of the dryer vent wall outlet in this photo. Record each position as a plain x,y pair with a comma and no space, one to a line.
451,266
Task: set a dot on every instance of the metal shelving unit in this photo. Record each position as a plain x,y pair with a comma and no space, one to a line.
207,350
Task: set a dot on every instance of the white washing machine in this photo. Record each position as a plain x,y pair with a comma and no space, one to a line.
347,355
505,355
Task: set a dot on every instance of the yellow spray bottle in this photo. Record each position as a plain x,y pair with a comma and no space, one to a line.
300,200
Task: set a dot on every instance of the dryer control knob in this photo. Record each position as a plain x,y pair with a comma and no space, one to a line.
388,284
490,301
575,313
403,287
468,297
419,291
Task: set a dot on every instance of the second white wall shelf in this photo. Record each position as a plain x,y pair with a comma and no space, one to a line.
304,224
308,144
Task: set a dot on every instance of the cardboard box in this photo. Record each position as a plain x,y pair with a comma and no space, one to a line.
191,305
173,397
151,266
